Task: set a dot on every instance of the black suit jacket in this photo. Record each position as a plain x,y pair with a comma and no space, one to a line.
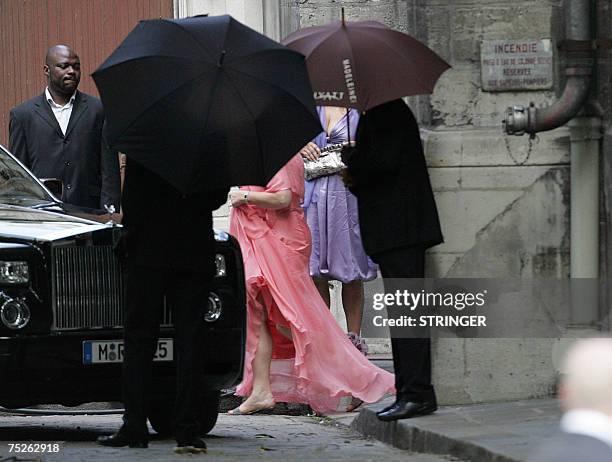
164,227
396,202
571,447
81,159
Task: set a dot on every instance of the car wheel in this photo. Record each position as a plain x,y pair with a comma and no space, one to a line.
210,411
161,416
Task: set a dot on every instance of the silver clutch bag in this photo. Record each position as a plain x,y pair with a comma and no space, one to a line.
328,163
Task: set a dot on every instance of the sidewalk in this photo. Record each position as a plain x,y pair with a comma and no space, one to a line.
496,432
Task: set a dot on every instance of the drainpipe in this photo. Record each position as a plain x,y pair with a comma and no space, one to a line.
585,136
520,120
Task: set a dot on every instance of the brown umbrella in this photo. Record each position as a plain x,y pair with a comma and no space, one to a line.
364,64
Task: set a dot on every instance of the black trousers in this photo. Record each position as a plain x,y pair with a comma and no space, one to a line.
187,294
411,356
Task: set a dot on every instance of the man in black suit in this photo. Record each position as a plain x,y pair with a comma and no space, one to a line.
172,258
585,393
59,135
399,221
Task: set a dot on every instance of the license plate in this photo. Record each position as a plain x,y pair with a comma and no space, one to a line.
111,351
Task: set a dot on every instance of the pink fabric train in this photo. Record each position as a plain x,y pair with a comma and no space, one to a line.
320,365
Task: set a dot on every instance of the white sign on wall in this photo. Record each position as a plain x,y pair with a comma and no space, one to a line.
509,65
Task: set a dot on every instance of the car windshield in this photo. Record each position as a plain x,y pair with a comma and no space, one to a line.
17,186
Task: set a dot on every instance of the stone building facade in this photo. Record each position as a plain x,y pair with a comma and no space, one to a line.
504,200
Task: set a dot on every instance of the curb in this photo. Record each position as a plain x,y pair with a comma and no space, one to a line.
414,438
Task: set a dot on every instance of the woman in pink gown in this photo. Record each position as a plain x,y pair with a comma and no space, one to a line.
295,350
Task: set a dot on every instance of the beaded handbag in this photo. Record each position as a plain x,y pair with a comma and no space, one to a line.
328,163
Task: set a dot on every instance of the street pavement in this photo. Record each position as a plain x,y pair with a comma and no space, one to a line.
492,432
234,438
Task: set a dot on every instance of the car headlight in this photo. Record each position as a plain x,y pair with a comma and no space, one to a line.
14,272
14,313
214,308
221,268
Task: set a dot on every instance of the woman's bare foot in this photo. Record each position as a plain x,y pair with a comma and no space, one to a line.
354,404
254,403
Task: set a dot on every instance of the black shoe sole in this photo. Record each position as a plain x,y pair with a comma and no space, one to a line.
138,445
130,445
189,450
123,443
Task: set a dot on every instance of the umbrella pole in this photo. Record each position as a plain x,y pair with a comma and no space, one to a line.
348,119
348,125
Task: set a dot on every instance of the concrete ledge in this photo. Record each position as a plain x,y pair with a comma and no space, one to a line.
497,432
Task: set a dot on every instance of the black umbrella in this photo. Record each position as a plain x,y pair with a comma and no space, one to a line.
206,102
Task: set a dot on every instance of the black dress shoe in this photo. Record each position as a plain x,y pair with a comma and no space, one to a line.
407,409
190,446
120,439
385,409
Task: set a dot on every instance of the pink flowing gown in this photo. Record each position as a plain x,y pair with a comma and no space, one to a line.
320,365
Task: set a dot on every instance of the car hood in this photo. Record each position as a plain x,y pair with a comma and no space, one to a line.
42,225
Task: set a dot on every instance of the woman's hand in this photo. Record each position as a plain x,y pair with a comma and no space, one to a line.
115,217
237,197
310,152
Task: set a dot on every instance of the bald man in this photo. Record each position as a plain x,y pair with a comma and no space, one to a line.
59,135
586,396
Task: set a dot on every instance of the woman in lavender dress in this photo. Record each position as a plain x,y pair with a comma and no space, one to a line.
331,212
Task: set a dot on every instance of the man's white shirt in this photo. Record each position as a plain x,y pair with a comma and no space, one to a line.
62,113
589,423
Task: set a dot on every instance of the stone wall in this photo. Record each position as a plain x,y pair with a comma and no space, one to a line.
503,201
603,94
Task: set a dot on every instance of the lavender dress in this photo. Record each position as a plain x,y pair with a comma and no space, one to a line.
331,212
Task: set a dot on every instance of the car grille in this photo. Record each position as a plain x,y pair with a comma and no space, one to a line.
88,288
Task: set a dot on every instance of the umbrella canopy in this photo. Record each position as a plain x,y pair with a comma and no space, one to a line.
364,64
206,102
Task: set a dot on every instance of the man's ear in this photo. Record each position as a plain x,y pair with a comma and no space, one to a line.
46,70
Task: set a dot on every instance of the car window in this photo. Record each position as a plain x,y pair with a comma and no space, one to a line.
17,186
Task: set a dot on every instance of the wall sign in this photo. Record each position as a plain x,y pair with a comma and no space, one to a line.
508,65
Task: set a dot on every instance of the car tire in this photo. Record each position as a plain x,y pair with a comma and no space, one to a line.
210,411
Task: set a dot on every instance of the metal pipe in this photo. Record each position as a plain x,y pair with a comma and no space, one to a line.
585,139
520,119
585,135
578,19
